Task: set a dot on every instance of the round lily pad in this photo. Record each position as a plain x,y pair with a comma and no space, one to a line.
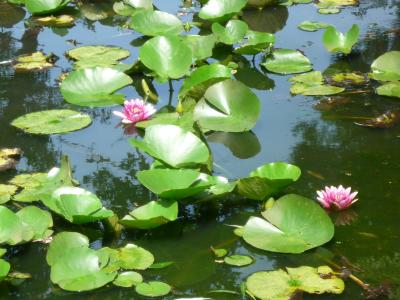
220,10
154,23
52,121
128,279
153,289
238,260
287,61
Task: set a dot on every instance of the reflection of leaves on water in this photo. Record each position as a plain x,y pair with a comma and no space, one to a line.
386,120
384,271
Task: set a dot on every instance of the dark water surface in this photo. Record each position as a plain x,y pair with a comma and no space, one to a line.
328,147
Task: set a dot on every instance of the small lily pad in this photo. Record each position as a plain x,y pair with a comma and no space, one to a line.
221,10
386,67
335,41
238,260
255,42
312,84
128,279
312,25
154,23
55,21
35,61
219,252
153,289
45,6
233,32
52,121
6,192
287,61
391,89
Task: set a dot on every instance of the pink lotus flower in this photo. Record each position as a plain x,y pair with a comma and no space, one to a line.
336,197
135,110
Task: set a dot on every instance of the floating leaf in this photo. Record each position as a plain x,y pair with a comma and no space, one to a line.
152,214
283,285
386,120
12,231
154,23
185,120
233,32
290,226
55,121
161,265
45,6
391,89
201,45
386,67
221,10
173,145
133,257
312,84
219,252
174,184
168,56
97,56
338,2
202,78
312,25
255,42
238,260
4,269
153,289
55,21
141,4
10,14
330,9
38,220
335,41
35,61
228,106
352,78
268,180
286,61
94,86
76,205
6,192
128,279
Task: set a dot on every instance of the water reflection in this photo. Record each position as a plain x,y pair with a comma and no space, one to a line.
270,19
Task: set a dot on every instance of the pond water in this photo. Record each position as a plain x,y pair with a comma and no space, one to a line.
327,145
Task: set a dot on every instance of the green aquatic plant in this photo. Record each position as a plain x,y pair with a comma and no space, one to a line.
337,42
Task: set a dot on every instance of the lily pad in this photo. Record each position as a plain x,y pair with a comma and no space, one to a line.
52,121
6,192
153,289
202,45
128,279
202,78
152,214
233,32
335,41
312,25
255,42
228,106
10,14
132,257
338,2
4,269
38,220
154,23
386,67
140,4
283,285
174,184
287,61
185,120
268,180
55,21
290,226
219,252
76,205
167,56
173,145
238,260
391,89
312,84
45,6
35,61
94,86
221,10
12,230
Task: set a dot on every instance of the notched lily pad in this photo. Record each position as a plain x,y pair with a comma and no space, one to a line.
283,285
335,41
35,61
55,121
312,25
6,192
312,84
287,61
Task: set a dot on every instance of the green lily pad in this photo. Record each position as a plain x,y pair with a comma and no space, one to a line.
202,78
221,10
132,257
255,42
338,2
45,6
312,84
55,21
173,145
391,89
386,67
329,10
233,32
77,205
335,41
141,4
268,180
38,220
174,184
128,279
94,86
290,226
312,25
55,121
352,78
4,269
152,214
12,230
283,285
287,61
153,289
219,252
97,56
185,120
238,260
35,61
202,45
167,56
6,192
228,106
154,23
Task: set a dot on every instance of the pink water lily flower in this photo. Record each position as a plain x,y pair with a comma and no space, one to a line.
135,110
336,197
